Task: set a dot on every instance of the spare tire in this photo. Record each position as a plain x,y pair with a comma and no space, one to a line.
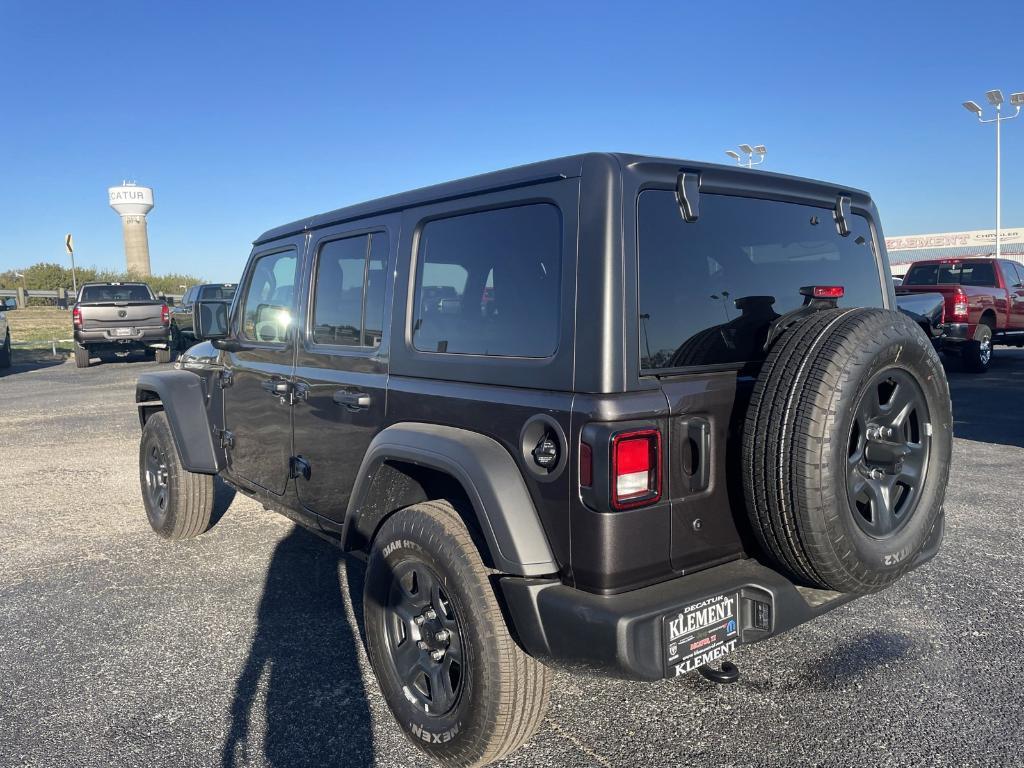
846,448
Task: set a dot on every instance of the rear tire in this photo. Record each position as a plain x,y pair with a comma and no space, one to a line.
81,356
482,697
178,503
977,353
162,355
846,449
5,351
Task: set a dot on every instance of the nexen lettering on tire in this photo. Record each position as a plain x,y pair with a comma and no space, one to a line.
434,738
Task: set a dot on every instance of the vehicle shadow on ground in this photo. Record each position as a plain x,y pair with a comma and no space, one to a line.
302,674
25,360
850,661
986,406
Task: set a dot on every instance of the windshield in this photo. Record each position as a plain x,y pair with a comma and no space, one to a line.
709,290
99,293
952,273
216,292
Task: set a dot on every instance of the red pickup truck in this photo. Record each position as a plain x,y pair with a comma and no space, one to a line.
984,304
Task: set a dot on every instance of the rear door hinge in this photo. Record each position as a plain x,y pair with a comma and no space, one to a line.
227,439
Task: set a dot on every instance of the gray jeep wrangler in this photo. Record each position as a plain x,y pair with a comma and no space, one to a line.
614,413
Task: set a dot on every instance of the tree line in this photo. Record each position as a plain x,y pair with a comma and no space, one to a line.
46,276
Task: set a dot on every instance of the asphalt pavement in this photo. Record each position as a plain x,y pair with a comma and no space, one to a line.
241,647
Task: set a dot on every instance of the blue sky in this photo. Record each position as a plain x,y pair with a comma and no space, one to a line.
243,116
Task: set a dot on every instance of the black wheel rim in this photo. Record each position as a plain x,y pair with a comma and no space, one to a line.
890,439
157,476
424,639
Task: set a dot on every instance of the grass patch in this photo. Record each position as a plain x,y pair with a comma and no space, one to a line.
40,324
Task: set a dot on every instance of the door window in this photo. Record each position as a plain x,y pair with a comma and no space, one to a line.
270,298
348,303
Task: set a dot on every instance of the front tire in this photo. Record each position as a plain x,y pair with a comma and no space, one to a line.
178,503
455,680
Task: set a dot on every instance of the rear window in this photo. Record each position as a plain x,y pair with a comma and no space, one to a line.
979,273
709,290
488,283
216,293
97,293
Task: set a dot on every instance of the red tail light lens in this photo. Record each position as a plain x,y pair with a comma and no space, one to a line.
636,462
76,317
165,315
960,307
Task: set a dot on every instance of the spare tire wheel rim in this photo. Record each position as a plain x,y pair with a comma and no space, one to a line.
424,639
888,448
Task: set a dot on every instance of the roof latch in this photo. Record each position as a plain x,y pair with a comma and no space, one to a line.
841,213
688,195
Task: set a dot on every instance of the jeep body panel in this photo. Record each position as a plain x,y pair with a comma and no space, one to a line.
487,473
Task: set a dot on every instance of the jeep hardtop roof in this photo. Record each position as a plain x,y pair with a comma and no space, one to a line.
759,182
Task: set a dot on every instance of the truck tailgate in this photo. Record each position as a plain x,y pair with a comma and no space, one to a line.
121,314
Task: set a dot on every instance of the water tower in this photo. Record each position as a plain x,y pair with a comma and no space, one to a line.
132,203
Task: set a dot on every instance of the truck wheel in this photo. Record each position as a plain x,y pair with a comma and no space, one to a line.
5,351
846,448
81,356
456,681
977,353
162,355
178,502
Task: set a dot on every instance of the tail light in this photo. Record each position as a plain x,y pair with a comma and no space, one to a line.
76,317
165,315
636,462
960,307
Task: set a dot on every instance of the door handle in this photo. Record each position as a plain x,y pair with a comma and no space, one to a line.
354,401
277,387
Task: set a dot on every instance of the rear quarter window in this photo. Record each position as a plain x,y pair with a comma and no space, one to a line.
710,289
488,283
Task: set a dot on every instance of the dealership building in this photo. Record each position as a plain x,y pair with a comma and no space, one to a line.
905,250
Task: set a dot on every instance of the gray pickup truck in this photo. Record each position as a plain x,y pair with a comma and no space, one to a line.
121,318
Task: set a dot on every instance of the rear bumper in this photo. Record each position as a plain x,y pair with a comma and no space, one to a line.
627,635
956,333
150,336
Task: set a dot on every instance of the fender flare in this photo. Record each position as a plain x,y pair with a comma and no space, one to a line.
182,397
490,477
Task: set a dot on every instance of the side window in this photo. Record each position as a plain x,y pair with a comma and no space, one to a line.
270,297
488,283
979,273
348,303
1012,273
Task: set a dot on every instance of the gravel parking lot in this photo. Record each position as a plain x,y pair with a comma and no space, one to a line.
241,647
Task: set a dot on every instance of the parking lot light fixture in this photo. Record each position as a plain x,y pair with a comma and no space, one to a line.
995,98
749,152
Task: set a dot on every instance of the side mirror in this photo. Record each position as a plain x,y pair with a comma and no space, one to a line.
211,320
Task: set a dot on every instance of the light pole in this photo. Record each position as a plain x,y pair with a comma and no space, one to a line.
760,150
995,98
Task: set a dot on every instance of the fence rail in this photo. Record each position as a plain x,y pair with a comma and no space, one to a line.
63,297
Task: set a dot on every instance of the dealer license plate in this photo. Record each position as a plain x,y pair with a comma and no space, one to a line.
124,331
701,633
